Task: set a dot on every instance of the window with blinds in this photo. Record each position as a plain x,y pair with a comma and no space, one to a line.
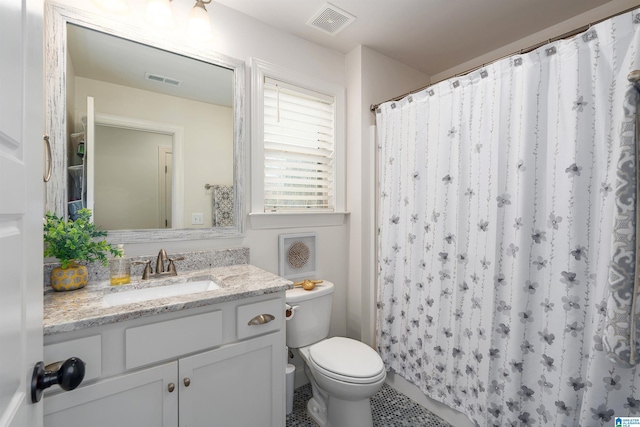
299,147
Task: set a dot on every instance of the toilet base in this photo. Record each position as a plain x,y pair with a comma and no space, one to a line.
349,413
343,413
317,412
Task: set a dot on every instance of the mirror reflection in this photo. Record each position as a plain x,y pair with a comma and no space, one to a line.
150,135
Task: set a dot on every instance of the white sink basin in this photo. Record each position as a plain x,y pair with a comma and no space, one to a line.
156,292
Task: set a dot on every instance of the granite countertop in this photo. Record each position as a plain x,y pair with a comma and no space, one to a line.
84,308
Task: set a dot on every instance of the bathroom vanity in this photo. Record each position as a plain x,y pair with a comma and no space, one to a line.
191,359
210,358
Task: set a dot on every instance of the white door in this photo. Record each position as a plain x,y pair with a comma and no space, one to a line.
89,153
21,207
165,178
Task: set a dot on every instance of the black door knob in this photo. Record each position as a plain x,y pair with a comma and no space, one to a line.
68,375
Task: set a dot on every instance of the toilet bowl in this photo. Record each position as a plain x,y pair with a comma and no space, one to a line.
344,373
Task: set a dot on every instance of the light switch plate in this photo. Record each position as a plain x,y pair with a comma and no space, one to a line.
197,219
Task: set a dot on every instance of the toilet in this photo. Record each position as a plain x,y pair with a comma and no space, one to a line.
344,373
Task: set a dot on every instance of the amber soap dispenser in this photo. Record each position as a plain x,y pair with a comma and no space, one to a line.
120,268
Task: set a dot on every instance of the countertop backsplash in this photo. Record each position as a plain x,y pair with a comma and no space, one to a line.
192,261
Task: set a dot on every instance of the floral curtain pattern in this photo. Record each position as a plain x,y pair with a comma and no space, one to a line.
496,221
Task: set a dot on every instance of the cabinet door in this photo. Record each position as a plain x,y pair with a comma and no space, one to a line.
241,385
131,400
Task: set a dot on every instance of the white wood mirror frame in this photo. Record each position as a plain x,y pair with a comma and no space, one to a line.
57,17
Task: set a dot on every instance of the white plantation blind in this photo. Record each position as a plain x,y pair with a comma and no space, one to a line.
299,147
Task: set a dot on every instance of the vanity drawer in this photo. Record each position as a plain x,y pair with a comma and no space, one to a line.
172,338
249,318
88,349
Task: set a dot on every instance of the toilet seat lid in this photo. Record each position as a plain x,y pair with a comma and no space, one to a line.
346,357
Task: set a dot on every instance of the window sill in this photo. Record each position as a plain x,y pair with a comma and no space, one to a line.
260,220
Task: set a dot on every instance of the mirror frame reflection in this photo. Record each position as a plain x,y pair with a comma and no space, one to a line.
57,18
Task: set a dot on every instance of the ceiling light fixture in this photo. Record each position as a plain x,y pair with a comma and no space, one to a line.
199,25
159,13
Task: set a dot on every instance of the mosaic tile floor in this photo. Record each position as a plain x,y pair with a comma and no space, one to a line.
389,407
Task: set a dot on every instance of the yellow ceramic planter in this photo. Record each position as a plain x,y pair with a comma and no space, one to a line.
69,279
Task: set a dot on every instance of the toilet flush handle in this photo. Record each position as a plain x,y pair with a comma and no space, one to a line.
290,311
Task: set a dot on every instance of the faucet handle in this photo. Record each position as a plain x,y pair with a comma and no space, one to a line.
171,269
147,268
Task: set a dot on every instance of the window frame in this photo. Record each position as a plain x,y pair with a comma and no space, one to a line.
259,218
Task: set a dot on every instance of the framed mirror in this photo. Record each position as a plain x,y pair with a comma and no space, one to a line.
145,131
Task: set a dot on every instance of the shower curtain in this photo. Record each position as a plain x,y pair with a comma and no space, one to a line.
504,224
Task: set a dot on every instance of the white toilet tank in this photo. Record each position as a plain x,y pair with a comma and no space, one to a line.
311,314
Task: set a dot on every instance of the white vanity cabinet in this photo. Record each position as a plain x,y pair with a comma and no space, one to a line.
198,367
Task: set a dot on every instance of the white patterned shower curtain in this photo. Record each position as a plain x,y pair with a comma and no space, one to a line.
503,198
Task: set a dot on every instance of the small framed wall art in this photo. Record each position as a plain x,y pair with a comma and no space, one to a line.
297,255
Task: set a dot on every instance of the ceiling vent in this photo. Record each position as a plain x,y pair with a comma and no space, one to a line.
331,19
162,79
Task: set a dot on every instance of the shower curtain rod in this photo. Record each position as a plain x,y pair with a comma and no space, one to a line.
566,35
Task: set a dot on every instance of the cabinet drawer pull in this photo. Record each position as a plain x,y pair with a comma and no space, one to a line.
187,382
171,387
261,319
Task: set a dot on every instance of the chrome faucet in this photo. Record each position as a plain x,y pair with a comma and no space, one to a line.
160,271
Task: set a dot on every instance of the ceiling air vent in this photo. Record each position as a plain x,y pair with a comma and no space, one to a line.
331,19
162,79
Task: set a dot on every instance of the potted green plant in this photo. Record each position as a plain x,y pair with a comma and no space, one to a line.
72,241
